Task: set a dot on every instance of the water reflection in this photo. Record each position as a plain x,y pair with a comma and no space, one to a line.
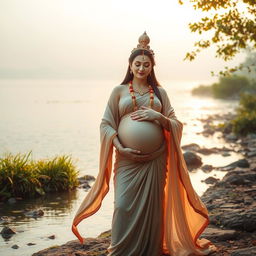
54,205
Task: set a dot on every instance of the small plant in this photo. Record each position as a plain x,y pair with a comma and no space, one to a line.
22,176
57,174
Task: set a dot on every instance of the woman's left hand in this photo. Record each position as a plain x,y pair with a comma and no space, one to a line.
145,113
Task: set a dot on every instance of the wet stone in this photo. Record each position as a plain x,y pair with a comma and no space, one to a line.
244,252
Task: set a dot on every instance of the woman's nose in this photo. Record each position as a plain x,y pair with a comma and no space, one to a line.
141,67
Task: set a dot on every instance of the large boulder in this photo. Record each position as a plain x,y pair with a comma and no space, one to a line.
242,163
236,219
191,147
7,232
193,161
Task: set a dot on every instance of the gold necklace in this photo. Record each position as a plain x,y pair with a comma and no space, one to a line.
140,92
151,96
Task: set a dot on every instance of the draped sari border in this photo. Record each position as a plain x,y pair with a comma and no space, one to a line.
200,231
206,223
82,217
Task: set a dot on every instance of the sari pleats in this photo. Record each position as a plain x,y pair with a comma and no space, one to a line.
137,223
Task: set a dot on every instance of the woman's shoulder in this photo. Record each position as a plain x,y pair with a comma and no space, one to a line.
118,90
120,87
162,91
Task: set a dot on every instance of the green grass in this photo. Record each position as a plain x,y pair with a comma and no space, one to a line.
21,176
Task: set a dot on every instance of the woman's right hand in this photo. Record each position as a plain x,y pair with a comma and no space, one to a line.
134,154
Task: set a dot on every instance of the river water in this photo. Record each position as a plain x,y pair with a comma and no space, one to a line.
54,117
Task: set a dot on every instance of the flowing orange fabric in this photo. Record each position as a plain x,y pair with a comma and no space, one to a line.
185,215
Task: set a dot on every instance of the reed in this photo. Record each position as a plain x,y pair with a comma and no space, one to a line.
21,176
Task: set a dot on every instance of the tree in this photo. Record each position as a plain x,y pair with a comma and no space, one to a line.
233,23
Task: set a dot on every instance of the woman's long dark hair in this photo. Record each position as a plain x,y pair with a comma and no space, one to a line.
151,79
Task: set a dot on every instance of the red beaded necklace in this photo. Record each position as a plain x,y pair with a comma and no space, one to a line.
151,96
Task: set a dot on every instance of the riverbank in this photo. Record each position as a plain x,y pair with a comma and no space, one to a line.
230,202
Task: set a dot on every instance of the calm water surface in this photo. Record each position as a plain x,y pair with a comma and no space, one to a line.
54,117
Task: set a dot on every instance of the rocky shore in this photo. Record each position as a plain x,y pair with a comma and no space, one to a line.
230,201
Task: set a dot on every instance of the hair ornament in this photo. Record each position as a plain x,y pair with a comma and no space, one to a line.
143,44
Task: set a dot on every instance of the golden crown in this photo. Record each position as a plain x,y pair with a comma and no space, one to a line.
143,44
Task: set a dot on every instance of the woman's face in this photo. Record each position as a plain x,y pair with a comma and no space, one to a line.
141,66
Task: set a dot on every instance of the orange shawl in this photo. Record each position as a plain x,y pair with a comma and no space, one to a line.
185,215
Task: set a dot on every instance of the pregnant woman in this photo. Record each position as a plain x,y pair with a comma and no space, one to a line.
156,210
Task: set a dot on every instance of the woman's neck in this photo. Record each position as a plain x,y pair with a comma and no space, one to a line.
140,83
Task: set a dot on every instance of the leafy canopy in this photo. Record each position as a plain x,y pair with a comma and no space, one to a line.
233,27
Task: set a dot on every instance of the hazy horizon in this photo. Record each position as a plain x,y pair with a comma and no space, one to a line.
64,39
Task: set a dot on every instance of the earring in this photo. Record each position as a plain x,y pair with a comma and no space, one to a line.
130,72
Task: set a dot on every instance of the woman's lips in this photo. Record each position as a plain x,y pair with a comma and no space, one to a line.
141,73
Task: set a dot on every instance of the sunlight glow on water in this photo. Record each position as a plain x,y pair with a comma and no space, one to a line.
62,117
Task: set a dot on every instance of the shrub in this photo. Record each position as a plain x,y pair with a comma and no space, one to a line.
21,176
230,86
245,122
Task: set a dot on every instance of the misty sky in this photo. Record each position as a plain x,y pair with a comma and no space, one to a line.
93,39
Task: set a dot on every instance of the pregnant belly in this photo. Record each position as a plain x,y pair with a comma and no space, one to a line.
145,136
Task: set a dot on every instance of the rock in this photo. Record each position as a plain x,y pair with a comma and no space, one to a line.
229,206
191,147
208,131
251,154
210,180
30,244
231,137
15,246
219,234
244,252
11,200
242,163
5,219
51,237
35,213
95,246
245,221
207,168
235,179
240,178
86,186
225,154
7,232
192,160
251,136
86,178
248,200
206,151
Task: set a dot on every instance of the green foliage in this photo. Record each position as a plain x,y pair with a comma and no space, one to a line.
227,87
21,176
233,28
245,122
230,86
57,174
